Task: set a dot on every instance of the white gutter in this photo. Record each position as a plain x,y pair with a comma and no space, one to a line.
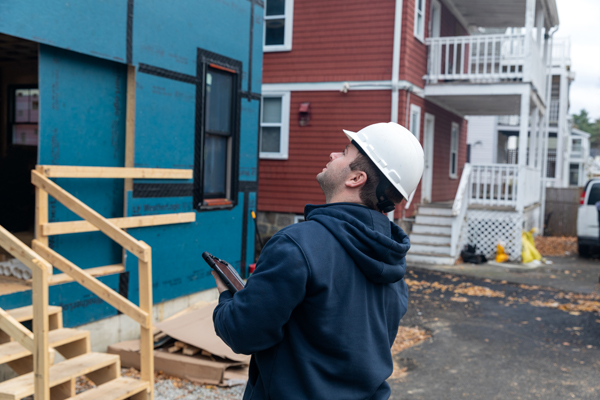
396,70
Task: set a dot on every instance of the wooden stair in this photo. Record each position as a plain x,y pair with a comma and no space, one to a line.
99,367
65,339
74,345
117,389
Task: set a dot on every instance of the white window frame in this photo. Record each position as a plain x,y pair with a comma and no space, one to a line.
284,126
289,23
415,121
420,13
454,139
298,218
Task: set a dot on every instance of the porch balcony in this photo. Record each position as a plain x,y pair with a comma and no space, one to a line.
485,59
504,59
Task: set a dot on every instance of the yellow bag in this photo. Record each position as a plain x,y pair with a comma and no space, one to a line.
528,250
501,255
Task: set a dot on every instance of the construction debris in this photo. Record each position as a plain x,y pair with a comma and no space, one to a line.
190,349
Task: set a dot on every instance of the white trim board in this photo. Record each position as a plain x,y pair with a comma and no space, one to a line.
340,86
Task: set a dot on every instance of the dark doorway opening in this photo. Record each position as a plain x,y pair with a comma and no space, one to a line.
19,125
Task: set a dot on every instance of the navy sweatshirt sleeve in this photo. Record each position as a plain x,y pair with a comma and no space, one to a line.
253,319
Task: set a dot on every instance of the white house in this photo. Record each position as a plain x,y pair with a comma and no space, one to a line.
507,74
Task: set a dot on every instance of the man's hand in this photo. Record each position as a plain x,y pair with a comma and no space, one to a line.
221,287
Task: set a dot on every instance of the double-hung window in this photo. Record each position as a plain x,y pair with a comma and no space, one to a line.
419,30
275,125
217,133
415,120
279,16
454,150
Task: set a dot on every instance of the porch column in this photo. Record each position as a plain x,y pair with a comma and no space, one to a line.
539,25
542,140
561,130
533,138
523,133
529,22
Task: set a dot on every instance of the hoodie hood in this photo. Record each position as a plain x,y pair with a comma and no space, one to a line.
376,245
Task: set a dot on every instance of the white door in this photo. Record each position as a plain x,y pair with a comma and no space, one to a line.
426,183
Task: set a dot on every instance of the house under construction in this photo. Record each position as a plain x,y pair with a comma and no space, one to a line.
128,146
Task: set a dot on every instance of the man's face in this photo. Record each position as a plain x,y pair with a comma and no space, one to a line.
337,170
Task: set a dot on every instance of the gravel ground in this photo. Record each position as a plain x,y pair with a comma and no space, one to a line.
170,389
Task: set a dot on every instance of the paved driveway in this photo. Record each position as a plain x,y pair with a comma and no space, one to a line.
519,346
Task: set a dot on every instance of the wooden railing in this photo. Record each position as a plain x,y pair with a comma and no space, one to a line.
508,185
494,184
36,343
459,210
484,58
41,258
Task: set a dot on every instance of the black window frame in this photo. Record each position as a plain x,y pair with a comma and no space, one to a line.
205,62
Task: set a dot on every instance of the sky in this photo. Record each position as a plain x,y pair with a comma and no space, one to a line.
580,20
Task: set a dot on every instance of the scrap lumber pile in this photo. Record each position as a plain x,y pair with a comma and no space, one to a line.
186,346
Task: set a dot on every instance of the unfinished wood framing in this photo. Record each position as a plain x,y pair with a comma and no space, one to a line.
16,330
63,228
85,212
68,171
58,279
41,212
146,332
21,251
130,128
122,304
41,361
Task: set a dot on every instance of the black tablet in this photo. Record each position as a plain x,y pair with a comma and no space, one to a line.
226,272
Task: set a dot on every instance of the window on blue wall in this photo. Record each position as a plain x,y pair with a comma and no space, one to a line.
217,133
279,16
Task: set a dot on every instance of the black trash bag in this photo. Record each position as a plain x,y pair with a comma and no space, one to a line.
469,255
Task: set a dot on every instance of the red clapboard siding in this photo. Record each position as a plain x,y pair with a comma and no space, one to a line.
413,52
288,185
443,187
336,40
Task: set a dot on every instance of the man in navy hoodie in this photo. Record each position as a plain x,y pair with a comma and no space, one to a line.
322,309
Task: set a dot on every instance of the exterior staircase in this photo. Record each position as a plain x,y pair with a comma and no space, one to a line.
74,345
431,236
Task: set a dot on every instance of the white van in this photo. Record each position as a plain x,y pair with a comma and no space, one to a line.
587,218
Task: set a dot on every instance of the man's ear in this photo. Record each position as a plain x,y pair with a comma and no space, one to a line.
356,179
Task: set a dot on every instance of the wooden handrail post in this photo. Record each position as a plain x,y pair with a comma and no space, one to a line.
41,211
41,360
146,334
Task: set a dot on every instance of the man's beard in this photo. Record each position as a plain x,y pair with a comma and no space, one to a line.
331,183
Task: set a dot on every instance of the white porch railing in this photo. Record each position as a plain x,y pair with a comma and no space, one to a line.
532,187
484,58
459,210
494,185
561,51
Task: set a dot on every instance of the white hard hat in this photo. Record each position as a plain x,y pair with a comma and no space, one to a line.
396,152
